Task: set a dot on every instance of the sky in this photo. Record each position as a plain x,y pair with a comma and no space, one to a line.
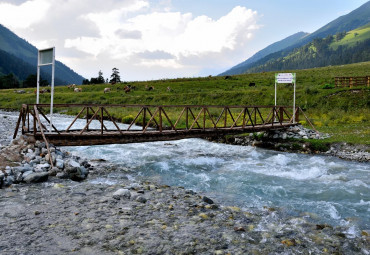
160,39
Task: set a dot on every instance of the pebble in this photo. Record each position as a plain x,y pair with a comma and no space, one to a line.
62,217
279,140
122,193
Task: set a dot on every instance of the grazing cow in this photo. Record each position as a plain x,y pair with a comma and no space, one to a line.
150,88
106,90
168,89
77,90
127,89
252,84
71,86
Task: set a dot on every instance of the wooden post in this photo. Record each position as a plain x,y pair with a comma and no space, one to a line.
101,118
144,118
187,118
87,117
28,118
225,121
160,120
297,115
204,118
282,114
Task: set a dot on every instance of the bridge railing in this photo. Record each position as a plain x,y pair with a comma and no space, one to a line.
33,118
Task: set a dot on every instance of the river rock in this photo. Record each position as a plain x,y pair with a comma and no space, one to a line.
72,163
207,200
122,193
26,174
141,199
59,163
42,167
36,177
77,173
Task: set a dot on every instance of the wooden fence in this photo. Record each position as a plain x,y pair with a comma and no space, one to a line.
352,81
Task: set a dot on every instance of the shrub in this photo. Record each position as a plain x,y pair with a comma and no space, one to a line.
127,119
328,86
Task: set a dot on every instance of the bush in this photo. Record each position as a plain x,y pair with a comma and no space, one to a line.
328,86
127,119
319,145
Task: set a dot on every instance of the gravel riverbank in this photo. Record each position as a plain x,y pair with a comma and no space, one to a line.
137,216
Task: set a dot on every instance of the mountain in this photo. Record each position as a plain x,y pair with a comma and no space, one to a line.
355,19
21,60
289,41
343,48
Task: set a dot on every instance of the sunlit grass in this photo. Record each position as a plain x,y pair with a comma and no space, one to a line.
342,112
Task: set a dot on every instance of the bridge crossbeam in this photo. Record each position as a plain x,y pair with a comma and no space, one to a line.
146,123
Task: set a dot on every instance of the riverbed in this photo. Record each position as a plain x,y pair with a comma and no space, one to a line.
319,189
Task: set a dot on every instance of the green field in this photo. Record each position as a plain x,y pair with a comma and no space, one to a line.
353,37
342,112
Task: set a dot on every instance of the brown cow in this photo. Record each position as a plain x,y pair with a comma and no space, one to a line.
127,89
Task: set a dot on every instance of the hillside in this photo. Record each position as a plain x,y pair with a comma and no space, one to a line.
18,50
332,50
338,111
289,41
353,20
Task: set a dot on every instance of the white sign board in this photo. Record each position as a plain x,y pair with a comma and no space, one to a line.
46,56
285,77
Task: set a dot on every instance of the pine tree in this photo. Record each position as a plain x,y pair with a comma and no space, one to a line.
115,78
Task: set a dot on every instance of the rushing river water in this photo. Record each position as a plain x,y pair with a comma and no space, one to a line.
331,190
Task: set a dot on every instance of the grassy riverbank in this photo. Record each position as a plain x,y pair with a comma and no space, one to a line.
342,112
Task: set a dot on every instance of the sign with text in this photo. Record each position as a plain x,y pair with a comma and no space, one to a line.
285,77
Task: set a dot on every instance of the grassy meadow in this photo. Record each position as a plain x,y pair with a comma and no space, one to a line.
343,112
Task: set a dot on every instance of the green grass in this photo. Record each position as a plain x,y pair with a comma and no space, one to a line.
342,112
353,37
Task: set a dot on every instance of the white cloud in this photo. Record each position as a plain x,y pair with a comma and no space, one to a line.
176,34
132,35
23,15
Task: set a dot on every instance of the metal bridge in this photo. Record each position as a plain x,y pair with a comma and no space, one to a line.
96,124
148,123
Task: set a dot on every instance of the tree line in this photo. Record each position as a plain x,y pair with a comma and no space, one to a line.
318,53
11,81
115,78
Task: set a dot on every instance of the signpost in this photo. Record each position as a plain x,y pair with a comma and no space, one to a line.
286,78
46,57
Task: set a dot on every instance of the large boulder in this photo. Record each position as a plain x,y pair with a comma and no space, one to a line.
36,177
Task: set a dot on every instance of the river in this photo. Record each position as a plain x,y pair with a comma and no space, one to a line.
328,189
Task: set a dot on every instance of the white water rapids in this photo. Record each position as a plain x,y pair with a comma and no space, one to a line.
328,189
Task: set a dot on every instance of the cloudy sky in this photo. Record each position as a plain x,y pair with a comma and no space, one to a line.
155,39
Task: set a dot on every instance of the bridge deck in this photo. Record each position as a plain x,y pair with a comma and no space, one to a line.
152,123
95,137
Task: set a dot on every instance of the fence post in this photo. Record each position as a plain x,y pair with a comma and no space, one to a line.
281,110
297,115
160,119
144,118
187,118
